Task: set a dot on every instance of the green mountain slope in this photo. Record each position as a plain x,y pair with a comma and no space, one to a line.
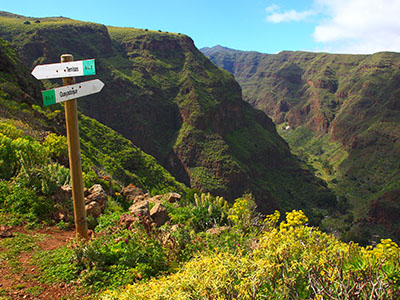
340,113
166,97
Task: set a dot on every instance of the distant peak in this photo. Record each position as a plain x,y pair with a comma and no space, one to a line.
217,48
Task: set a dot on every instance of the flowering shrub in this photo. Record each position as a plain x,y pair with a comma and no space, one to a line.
272,220
242,211
292,261
293,219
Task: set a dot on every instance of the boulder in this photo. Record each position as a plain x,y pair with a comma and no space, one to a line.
174,197
140,208
130,192
140,198
97,194
62,199
155,199
126,220
63,194
93,209
159,214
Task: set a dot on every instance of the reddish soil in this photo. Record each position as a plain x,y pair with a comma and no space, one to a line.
25,285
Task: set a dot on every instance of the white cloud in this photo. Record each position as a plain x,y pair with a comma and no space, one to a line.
288,16
272,8
359,26
349,26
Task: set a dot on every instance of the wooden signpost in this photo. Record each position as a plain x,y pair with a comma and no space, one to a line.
66,70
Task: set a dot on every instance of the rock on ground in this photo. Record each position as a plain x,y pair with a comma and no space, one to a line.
159,214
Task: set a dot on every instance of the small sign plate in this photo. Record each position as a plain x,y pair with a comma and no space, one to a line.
72,91
68,69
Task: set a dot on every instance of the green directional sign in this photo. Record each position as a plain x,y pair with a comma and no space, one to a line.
49,97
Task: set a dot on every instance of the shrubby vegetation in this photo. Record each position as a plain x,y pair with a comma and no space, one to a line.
290,261
117,256
29,175
239,256
34,165
121,159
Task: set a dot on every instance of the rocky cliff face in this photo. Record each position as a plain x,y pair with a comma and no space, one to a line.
338,112
169,99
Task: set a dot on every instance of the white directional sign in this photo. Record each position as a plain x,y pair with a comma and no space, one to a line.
72,91
67,69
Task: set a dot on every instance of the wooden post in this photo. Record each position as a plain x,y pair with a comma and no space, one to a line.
74,153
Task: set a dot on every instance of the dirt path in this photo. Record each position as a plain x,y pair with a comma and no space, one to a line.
24,284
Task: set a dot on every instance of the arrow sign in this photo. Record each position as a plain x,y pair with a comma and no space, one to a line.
72,91
68,69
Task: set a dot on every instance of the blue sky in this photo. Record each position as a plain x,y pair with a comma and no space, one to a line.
268,26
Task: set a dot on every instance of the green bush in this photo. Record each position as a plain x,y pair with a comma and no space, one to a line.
8,158
24,201
10,130
57,147
180,215
43,179
203,213
109,220
107,259
242,212
4,191
29,151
